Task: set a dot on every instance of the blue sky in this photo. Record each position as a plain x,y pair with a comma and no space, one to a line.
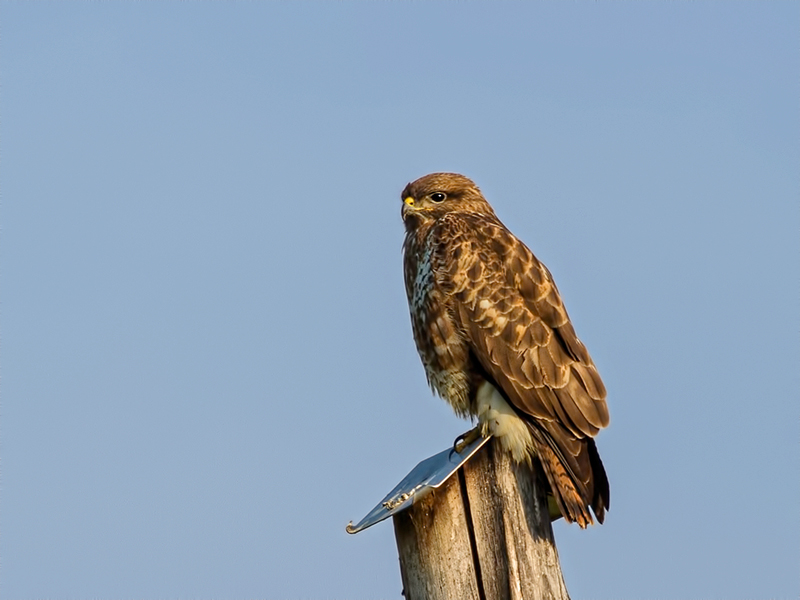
207,362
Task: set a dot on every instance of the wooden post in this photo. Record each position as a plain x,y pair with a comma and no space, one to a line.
484,535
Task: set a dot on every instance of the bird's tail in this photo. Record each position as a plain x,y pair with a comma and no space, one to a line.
575,492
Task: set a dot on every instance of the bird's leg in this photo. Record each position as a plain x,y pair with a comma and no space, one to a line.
466,438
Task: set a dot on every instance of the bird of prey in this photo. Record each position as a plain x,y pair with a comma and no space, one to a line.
497,343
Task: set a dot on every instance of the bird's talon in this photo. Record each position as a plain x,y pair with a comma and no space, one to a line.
465,439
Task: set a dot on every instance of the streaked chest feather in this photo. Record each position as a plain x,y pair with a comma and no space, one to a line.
441,347
422,285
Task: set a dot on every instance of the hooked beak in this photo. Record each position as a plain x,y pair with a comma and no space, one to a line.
409,205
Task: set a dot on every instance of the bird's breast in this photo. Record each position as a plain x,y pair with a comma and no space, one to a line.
423,283
442,349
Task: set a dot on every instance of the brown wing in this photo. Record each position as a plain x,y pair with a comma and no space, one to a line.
505,301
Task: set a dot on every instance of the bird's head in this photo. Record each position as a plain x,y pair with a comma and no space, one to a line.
432,196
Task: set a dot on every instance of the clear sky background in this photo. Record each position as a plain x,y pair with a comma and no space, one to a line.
207,361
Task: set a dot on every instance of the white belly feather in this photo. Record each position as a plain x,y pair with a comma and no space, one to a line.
496,417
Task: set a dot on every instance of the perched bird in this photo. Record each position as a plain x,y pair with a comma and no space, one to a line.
497,343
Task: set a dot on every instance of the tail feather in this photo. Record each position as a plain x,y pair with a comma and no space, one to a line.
575,492
601,499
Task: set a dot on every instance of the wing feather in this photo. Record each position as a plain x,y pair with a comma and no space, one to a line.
512,314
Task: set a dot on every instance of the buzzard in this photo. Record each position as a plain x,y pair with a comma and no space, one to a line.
497,343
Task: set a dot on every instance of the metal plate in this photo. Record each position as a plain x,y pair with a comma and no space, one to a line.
425,477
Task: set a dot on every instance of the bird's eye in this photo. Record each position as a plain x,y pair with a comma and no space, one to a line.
438,197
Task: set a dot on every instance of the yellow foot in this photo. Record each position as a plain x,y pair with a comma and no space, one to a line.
465,439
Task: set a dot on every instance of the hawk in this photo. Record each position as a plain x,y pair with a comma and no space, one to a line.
497,343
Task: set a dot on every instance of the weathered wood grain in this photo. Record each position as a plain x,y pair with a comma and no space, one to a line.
435,552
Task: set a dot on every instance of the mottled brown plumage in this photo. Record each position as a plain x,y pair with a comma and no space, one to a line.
496,341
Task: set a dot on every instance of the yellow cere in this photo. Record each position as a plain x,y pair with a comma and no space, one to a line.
409,201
